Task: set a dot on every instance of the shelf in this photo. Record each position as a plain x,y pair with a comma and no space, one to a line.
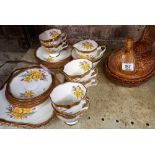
113,106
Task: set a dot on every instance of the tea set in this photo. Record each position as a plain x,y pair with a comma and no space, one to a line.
33,94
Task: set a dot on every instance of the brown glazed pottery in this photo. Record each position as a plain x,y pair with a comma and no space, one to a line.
134,63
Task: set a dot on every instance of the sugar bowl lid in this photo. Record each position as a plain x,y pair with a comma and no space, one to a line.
30,83
86,45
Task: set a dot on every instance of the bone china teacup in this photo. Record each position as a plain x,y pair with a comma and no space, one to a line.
78,69
69,101
88,49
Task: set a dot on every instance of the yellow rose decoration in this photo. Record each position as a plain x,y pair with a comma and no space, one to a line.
85,66
54,34
87,45
33,75
20,113
28,94
78,92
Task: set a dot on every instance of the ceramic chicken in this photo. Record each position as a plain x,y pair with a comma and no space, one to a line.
134,63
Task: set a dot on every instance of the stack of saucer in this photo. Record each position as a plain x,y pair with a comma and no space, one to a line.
69,101
25,97
88,49
82,71
54,51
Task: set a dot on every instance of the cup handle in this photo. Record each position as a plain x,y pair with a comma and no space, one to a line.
94,72
101,48
87,105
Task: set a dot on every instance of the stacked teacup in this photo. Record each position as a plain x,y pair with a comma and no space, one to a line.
53,40
82,71
69,101
88,49
54,51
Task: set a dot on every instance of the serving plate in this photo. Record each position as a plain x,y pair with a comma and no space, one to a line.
26,117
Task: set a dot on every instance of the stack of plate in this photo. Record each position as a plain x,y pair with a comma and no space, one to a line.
82,71
54,51
25,97
88,49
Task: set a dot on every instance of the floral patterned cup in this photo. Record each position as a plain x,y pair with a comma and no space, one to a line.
69,101
88,49
80,70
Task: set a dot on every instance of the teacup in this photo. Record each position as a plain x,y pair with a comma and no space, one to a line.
68,100
72,71
77,68
92,74
88,49
50,35
95,61
71,115
56,49
76,109
50,44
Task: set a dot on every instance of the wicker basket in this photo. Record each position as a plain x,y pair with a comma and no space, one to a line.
126,82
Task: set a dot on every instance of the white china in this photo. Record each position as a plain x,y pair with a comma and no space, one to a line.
50,34
68,94
90,75
42,54
86,45
52,43
27,116
69,101
94,60
92,53
30,83
71,121
74,109
77,67
73,71
56,50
